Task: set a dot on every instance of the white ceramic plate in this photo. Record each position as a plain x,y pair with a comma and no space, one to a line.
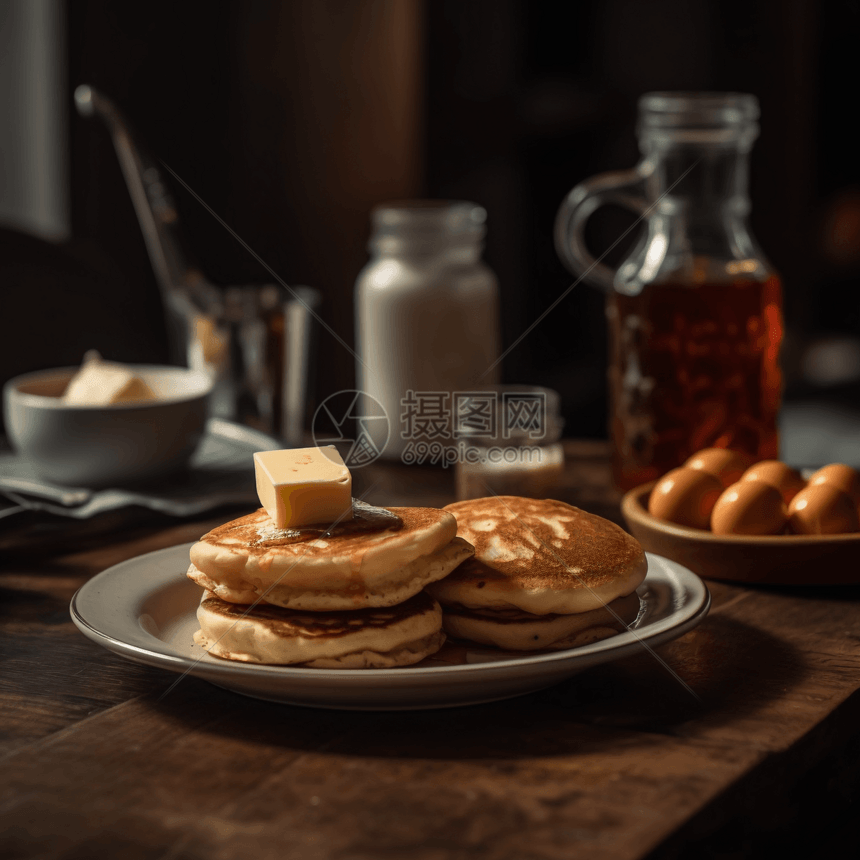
144,609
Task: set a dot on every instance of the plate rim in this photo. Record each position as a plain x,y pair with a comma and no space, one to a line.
609,648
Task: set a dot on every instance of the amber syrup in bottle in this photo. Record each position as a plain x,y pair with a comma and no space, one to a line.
693,366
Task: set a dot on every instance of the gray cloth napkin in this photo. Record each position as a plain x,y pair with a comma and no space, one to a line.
221,472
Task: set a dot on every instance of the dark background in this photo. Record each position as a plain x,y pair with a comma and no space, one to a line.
292,119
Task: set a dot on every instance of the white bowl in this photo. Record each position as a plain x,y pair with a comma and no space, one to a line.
116,445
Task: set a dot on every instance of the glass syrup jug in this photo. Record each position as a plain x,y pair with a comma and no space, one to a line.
695,310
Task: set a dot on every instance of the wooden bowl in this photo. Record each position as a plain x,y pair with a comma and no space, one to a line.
769,560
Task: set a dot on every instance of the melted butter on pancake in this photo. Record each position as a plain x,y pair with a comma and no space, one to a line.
342,571
256,531
366,519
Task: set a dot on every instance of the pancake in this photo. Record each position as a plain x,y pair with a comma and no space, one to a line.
381,558
358,639
540,556
515,630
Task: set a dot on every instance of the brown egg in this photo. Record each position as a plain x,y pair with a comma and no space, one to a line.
724,464
841,476
685,496
787,480
749,508
823,509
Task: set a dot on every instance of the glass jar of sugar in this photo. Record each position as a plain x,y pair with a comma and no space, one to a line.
427,319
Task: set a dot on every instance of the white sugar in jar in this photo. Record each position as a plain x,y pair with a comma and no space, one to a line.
427,311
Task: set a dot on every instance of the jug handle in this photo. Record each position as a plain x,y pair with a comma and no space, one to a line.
624,188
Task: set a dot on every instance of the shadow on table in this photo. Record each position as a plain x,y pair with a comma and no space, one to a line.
724,672
843,593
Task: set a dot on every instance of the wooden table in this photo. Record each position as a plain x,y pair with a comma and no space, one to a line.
619,762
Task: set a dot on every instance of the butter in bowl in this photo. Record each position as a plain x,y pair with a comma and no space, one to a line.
107,424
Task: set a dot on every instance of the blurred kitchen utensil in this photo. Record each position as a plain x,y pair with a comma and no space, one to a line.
185,290
254,341
299,347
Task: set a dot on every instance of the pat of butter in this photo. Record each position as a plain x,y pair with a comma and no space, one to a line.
304,486
100,383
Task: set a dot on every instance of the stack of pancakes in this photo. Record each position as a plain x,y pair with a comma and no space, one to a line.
348,596
545,575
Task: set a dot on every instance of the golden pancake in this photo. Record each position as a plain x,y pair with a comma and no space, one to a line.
381,558
515,630
541,556
358,639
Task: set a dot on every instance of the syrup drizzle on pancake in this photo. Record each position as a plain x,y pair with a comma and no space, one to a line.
366,518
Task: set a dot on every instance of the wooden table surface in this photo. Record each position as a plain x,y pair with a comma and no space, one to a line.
619,762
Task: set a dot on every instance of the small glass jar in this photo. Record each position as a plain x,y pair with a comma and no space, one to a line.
427,313
520,454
